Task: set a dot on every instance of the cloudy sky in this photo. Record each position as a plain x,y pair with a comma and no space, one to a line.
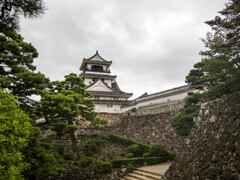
153,43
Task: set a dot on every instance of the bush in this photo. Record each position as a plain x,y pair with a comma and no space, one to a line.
135,150
156,160
59,148
134,162
157,150
87,161
68,156
59,128
171,156
90,148
146,154
184,121
130,155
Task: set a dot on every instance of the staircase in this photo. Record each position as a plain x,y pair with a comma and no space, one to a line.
148,172
139,174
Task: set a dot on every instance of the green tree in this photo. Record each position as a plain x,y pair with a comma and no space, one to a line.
17,72
218,73
66,103
45,158
14,133
12,9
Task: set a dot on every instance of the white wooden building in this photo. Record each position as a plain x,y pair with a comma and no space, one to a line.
108,97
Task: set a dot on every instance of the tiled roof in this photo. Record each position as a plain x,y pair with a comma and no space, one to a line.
114,94
99,76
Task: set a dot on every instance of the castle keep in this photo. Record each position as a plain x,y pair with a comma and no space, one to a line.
108,97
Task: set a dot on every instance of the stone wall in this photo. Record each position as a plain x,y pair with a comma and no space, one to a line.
152,126
213,150
75,173
149,126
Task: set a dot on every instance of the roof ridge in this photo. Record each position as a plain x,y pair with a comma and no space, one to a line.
96,54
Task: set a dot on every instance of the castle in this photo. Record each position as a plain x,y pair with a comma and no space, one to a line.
109,98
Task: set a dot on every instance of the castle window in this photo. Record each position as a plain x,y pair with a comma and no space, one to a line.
115,98
97,68
97,97
109,105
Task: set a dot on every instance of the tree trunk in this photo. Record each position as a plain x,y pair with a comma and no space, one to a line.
73,138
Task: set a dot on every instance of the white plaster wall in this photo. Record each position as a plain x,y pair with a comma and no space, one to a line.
160,100
93,72
127,108
108,82
87,80
99,86
175,97
103,108
96,58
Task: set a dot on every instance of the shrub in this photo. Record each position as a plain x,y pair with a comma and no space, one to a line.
156,160
171,156
147,154
137,150
68,156
72,128
122,154
90,148
60,128
128,162
157,150
59,148
130,155
86,161
184,121
138,161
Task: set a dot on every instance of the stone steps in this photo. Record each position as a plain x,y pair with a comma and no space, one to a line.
139,174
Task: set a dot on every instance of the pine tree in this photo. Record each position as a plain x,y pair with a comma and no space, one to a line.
17,72
218,73
66,103
10,10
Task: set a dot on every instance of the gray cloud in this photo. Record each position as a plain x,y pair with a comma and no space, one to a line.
153,44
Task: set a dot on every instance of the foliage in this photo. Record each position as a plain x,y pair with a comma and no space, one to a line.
100,123
218,73
171,156
157,150
136,150
127,142
66,103
99,166
130,162
17,69
68,156
11,10
43,156
14,133
184,121
130,155
90,148
147,154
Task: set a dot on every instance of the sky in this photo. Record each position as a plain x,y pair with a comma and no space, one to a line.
153,44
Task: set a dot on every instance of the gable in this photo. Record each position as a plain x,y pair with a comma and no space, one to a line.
96,58
98,86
